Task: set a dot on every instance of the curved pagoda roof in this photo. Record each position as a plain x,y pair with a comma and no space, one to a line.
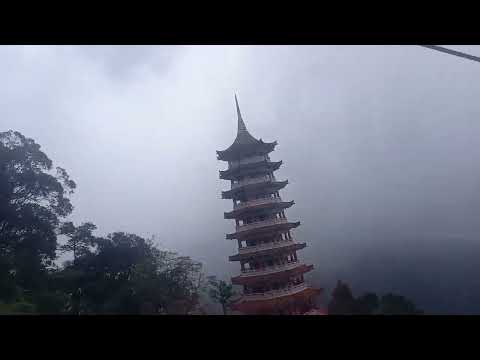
268,186
245,144
263,166
274,250
265,303
256,209
253,278
265,229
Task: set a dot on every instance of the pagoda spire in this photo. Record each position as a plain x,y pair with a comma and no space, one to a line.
241,124
244,143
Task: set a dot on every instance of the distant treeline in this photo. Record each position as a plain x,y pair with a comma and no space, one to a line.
344,303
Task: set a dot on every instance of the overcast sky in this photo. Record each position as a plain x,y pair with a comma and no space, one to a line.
376,140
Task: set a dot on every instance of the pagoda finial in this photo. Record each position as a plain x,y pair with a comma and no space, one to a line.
241,124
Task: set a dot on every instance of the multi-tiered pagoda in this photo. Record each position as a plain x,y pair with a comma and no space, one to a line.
271,273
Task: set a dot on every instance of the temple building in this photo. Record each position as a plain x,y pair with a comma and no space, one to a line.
272,276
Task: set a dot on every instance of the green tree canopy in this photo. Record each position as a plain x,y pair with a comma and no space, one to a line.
121,273
124,273
33,199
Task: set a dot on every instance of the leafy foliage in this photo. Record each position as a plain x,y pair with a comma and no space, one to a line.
221,292
343,303
367,304
122,273
80,239
397,305
32,202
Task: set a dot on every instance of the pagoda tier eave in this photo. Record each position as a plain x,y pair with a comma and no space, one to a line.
278,274
290,246
258,208
233,173
238,150
260,187
255,305
268,228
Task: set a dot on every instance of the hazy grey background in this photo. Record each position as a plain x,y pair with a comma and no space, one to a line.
379,144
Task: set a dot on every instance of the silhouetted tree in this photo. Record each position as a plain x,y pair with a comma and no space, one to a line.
367,304
33,199
221,292
124,273
397,305
80,239
342,302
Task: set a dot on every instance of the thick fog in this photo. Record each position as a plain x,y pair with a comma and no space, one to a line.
379,145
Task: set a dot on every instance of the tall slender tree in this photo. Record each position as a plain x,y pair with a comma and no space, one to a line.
221,292
80,238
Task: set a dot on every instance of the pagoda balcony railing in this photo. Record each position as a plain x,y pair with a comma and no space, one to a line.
276,293
265,246
255,180
270,200
260,224
270,269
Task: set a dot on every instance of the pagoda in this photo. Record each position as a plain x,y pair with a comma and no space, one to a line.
272,276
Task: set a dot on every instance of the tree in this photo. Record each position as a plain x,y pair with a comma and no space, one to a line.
80,239
122,273
342,302
367,304
221,292
80,242
397,305
33,199
126,274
